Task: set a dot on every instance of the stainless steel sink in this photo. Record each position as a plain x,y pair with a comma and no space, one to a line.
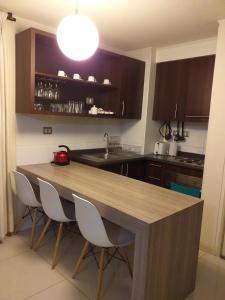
99,156
103,156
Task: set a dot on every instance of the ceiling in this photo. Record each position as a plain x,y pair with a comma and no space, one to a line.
131,24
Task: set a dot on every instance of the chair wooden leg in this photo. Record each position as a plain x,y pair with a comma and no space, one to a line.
124,255
100,273
46,226
21,222
56,248
80,259
34,217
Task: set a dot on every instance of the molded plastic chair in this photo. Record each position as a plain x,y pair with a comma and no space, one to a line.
94,231
26,195
54,210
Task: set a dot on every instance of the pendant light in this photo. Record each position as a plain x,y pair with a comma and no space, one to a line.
77,36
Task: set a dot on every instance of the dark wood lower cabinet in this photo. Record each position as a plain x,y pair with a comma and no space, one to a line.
131,169
162,174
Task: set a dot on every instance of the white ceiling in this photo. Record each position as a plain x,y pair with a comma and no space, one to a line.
131,24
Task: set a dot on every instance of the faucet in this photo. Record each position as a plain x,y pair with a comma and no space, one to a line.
106,139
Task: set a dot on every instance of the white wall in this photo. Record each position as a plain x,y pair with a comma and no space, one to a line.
186,50
214,179
196,142
77,133
133,131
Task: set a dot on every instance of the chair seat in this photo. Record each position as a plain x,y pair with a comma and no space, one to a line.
118,236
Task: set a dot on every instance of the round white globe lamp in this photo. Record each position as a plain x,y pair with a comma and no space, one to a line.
77,37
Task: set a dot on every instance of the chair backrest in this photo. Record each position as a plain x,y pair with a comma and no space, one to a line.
90,223
51,202
24,190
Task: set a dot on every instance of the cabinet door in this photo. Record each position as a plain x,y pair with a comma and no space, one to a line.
132,88
170,90
199,88
114,168
134,169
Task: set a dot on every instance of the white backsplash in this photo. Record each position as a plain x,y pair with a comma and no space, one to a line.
77,133
196,142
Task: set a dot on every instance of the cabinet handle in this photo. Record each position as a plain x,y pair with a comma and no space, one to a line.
127,170
175,112
196,116
155,178
123,106
154,165
121,169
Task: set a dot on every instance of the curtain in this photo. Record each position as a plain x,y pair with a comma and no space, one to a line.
7,123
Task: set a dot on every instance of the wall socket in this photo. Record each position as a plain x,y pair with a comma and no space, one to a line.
47,130
186,133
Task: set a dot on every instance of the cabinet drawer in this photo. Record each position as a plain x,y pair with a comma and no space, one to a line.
153,180
154,170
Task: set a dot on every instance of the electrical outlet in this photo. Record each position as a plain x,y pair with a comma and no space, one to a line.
186,133
47,130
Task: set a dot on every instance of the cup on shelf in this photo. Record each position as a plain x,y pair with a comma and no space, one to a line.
61,73
91,78
77,76
106,81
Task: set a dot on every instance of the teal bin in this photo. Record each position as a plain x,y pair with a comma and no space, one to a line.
194,192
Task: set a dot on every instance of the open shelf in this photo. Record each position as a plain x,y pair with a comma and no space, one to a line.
83,115
77,82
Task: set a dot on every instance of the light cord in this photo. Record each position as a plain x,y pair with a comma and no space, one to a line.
77,7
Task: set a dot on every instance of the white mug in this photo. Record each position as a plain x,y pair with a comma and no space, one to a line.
76,76
106,81
91,78
61,73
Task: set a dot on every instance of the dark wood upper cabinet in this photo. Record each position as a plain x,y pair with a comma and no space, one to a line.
38,59
132,88
199,88
183,89
170,83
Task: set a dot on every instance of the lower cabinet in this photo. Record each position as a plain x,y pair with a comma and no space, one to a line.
131,169
162,174
154,173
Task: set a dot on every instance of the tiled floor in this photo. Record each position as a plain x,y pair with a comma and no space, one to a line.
25,274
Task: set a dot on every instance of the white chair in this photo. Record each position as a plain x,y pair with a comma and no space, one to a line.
95,232
26,195
54,210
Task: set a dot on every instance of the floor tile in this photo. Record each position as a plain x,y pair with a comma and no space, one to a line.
12,246
210,282
63,290
24,275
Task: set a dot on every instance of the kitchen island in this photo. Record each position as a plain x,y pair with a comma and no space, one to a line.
166,224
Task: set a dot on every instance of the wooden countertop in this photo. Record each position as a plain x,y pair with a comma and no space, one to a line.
141,200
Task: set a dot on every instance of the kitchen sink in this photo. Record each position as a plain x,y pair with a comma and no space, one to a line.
99,156
114,155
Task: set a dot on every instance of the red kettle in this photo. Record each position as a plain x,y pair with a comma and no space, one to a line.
62,158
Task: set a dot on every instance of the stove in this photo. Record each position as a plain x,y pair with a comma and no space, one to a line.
189,160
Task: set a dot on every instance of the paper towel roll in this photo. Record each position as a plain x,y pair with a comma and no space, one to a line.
173,149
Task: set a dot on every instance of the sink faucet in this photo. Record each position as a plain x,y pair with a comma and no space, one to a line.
106,139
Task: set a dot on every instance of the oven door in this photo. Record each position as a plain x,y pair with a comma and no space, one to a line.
183,183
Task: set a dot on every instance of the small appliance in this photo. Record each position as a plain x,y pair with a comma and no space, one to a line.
62,158
173,149
161,148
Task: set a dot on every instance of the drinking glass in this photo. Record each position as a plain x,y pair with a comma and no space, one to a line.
81,106
56,92
76,107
